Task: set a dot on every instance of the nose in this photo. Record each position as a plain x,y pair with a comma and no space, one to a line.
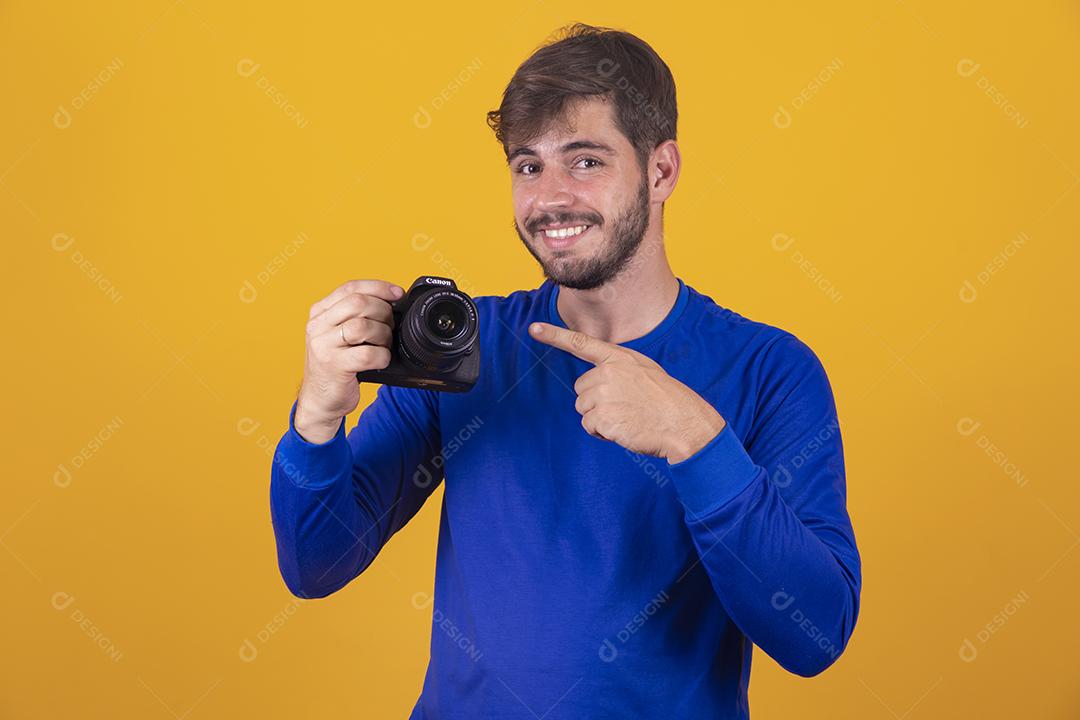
553,191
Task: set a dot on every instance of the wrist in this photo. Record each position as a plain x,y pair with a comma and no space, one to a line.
695,437
314,427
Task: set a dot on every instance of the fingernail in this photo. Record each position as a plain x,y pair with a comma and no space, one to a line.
536,328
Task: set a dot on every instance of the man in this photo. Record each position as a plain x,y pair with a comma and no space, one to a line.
649,483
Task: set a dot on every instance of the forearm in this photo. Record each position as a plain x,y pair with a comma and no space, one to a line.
791,588
782,585
335,504
316,518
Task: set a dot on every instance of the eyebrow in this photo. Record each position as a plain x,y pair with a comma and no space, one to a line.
568,147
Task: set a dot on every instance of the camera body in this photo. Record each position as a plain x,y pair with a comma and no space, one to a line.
436,343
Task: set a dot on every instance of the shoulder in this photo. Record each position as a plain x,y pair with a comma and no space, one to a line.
786,384
768,348
519,303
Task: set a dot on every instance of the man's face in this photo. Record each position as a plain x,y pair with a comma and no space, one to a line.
581,200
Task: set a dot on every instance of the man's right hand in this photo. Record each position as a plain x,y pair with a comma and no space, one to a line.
358,311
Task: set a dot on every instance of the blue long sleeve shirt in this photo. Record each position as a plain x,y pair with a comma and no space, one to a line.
577,579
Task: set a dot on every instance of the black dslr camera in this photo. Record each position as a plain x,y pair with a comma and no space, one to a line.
435,344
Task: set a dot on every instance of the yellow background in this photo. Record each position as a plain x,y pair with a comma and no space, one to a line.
169,238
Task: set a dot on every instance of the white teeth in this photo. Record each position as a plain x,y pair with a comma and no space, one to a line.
566,232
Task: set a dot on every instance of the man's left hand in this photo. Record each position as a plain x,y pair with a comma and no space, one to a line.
630,400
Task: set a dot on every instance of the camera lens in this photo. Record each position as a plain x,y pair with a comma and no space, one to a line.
446,319
438,328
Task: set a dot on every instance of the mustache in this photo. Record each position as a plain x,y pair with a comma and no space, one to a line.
533,226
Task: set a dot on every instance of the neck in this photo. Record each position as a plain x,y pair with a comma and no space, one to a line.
630,305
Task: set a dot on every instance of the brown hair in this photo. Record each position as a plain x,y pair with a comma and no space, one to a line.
587,61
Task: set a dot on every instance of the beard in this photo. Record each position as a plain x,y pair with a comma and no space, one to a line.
625,235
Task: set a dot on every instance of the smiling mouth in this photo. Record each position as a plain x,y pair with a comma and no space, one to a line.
562,238
565,232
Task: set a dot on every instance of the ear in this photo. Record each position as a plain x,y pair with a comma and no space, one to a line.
665,161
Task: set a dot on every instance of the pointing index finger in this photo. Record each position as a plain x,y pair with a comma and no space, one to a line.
574,342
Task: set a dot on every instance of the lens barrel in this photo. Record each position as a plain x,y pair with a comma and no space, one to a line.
438,328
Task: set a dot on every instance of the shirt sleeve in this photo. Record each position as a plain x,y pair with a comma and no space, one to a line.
334,505
768,515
